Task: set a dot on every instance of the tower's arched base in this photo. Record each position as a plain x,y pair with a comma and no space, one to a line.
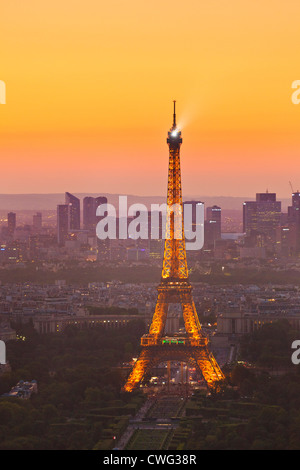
175,349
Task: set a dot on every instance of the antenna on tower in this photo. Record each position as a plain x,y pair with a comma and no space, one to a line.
174,115
291,186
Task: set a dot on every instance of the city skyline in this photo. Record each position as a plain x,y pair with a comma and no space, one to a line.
88,105
149,291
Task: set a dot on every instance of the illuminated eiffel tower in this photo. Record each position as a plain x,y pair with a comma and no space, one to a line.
191,347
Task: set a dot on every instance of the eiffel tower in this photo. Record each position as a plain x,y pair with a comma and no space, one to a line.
191,347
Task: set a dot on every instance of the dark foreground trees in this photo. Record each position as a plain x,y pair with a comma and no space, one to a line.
263,413
79,404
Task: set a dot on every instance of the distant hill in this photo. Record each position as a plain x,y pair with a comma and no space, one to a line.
11,202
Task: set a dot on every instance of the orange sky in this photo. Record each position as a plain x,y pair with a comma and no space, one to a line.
90,88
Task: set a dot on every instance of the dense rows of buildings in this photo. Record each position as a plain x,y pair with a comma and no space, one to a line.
267,233
237,309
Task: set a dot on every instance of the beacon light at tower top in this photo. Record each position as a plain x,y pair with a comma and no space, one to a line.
174,135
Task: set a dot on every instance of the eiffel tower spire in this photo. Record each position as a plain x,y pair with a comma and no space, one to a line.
174,115
175,288
174,265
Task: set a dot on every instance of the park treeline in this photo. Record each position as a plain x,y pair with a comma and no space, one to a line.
79,404
260,409
77,275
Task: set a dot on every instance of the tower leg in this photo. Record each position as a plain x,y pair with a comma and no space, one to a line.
191,321
142,365
160,316
209,367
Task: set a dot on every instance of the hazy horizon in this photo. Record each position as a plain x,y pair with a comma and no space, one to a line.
49,201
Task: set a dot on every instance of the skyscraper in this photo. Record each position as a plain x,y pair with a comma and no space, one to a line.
62,223
296,201
294,218
90,205
262,216
90,220
37,221
286,240
88,211
11,223
74,211
213,224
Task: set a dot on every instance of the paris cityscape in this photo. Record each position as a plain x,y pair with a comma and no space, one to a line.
59,280
149,230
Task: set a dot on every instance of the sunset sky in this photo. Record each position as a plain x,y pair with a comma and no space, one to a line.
90,86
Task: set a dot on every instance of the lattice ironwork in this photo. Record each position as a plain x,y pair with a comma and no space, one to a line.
175,288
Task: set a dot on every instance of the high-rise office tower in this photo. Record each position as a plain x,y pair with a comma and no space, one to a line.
294,218
100,200
90,205
90,220
214,216
296,201
62,223
212,226
88,212
11,223
286,240
294,209
37,221
74,211
263,216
